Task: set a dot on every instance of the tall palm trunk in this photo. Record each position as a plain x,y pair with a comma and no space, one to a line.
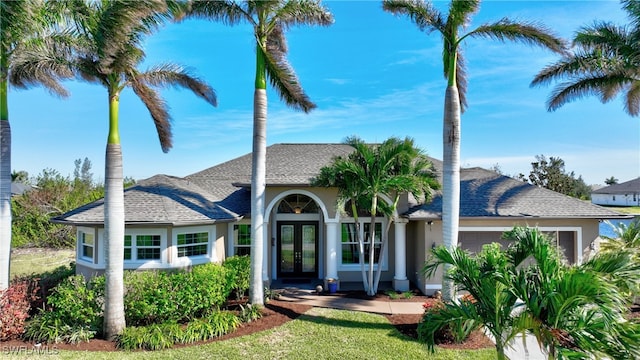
451,180
114,321
258,179
5,185
372,244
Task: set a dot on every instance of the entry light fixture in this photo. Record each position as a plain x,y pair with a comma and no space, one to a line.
297,210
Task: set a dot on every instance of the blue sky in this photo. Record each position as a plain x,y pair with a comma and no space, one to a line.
371,74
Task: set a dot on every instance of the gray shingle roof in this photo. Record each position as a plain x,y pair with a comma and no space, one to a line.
485,193
221,192
160,199
627,187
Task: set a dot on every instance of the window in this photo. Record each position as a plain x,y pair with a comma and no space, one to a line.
142,247
350,246
148,247
127,247
242,239
193,244
87,243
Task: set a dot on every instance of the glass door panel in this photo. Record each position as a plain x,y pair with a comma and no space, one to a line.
287,249
308,248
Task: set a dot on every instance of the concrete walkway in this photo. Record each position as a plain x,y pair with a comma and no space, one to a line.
516,351
311,297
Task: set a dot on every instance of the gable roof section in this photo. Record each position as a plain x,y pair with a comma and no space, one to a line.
627,187
485,193
160,199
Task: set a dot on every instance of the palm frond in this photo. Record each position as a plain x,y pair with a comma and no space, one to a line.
526,32
158,109
422,13
166,75
460,12
303,12
284,80
228,12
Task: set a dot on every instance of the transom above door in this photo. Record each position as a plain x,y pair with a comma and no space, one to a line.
297,249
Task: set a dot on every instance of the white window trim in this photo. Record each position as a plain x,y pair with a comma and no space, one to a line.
356,267
79,255
231,246
147,264
578,230
210,256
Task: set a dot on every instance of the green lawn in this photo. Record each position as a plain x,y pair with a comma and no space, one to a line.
318,334
37,260
629,210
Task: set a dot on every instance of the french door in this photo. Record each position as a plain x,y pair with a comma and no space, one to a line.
297,249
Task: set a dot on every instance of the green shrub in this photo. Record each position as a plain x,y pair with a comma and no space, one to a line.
152,337
239,272
74,312
44,283
162,336
392,294
250,313
157,297
217,324
453,331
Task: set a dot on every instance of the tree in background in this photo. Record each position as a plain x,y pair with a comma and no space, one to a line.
52,195
30,46
606,63
367,175
269,20
451,27
109,50
550,174
611,181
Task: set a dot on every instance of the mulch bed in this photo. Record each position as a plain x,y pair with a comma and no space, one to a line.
278,312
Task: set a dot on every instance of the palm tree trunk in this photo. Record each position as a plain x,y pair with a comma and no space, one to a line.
385,240
258,180
5,176
114,321
5,188
451,180
354,211
372,243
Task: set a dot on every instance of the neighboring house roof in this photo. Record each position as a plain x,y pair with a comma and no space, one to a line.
484,193
628,187
18,188
160,199
221,192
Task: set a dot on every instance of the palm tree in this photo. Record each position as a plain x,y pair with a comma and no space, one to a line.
370,172
270,20
109,51
451,27
487,277
30,47
573,311
605,63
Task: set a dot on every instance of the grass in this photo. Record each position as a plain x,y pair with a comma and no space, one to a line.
318,334
36,260
629,210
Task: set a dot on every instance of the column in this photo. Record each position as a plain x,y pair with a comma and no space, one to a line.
331,227
265,254
400,281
